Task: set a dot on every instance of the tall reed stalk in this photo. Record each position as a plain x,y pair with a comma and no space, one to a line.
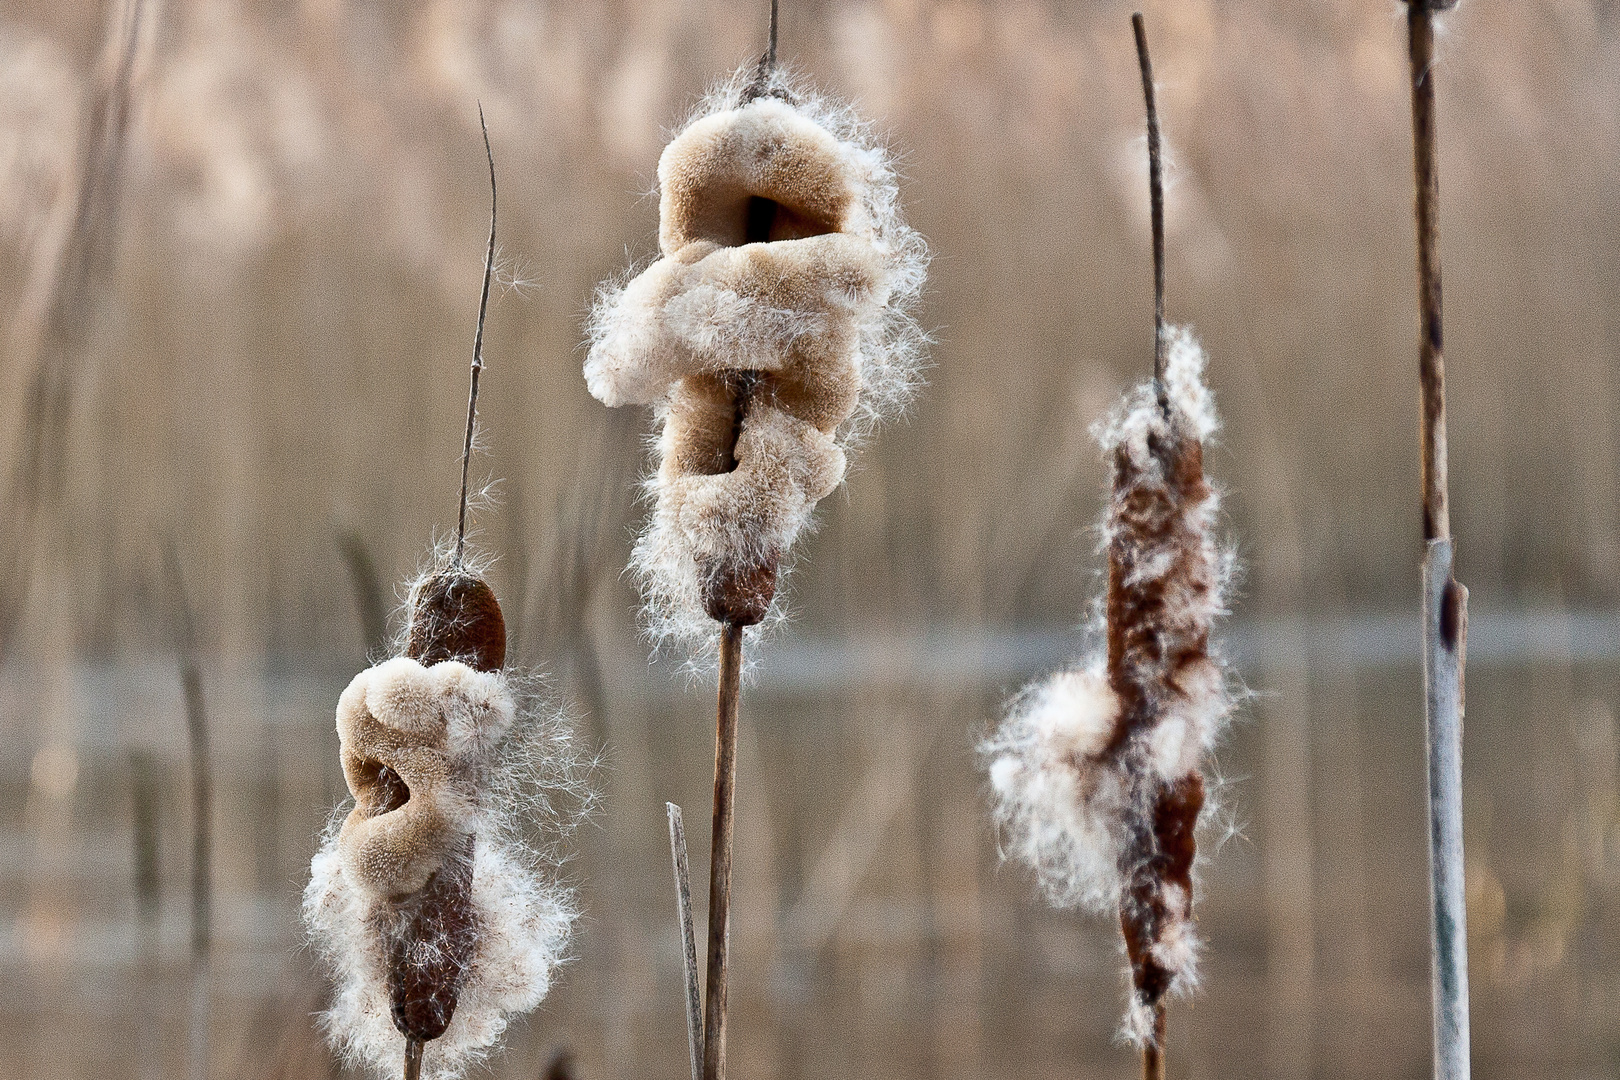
1444,600
202,821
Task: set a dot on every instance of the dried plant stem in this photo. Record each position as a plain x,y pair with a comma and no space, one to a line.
202,801
478,348
1153,1053
683,909
413,1058
725,783
1156,198
1445,602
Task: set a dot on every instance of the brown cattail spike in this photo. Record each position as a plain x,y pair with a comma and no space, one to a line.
430,943
455,616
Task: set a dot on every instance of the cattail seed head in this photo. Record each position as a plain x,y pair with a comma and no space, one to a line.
426,901
455,616
773,327
1097,772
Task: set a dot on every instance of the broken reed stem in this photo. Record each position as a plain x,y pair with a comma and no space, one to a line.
1153,1054
413,1058
478,346
683,909
1156,199
1445,601
725,783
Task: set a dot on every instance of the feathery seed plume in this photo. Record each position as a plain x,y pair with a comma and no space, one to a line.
1096,771
774,327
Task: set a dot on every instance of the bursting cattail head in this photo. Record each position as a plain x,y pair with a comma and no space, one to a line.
429,902
1096,771
774,327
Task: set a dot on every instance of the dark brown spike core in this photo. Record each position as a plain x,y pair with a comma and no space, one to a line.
1153,645
739,595
430,940
455,616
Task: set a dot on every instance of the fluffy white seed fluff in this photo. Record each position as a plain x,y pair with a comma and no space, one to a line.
820,309
480,759
1087,761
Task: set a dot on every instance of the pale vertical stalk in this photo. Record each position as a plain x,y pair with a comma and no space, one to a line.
725,783
202,799
1445,602
683,910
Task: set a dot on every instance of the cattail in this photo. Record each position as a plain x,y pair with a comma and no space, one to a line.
427,901
774,327
1097,771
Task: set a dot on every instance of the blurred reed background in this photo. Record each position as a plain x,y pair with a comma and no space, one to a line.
239,261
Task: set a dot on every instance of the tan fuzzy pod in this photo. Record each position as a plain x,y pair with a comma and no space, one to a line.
776,315
412,742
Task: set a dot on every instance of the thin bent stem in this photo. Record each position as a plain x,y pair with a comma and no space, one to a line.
1156,195
413,1058
478,346
725,783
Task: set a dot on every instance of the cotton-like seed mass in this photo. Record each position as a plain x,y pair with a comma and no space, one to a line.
1096,771
774,327
429,878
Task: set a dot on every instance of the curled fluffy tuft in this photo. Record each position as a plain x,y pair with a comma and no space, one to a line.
1097,772
772,333
477,758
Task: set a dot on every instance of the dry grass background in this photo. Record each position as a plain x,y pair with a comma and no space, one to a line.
268,351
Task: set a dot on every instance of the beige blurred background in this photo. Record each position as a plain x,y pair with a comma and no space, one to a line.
239,264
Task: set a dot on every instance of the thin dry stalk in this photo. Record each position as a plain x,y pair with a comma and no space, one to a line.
413,1057
725,784
202,800
1156,197
71,294
683,908
1445,601
478,347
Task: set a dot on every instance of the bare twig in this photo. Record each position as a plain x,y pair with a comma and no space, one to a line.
1156,195
725,783
413,1058
478,348
683,907
1445,602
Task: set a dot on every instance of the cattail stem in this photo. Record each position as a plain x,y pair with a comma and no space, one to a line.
1445,602
725,783
1153,1053
478,347
413,1058
1156,199
683,909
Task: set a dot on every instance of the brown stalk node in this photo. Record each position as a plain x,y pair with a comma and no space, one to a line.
455,616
